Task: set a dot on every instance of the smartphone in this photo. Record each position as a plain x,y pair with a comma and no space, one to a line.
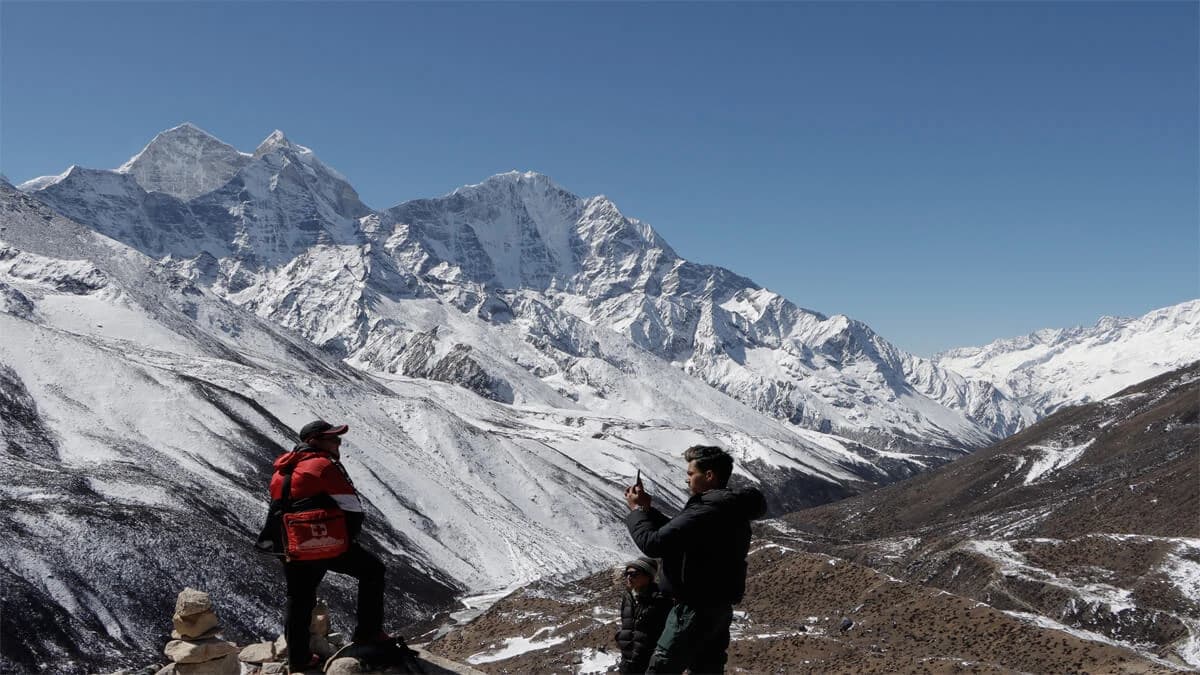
638,482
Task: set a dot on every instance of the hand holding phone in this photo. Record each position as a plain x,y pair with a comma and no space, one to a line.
635,495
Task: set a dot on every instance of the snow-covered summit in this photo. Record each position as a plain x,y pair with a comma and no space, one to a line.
185,162
41,182
278,144
188,194
1050,368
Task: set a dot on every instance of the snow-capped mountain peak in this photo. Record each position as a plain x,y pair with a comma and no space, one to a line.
184,162
40,182
276,140
278,148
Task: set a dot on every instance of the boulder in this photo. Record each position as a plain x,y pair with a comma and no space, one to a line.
281,647
345,666
210,633
195,626
275,668
199,651
258,653
191,602
225,665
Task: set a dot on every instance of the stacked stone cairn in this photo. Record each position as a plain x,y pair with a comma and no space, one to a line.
195,648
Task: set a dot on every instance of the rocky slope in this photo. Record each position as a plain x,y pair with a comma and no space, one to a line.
1089,519
803,613
1073,546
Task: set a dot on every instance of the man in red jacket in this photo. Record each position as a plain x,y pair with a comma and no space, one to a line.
319,479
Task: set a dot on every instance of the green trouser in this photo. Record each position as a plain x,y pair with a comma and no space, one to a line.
694,639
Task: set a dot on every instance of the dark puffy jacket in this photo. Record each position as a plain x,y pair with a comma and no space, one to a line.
703,549
642,619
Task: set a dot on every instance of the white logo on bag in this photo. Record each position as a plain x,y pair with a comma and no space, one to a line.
319,530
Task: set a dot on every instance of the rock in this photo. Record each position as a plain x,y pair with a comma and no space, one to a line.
187,651
273,669
168,669
191,602
281,647
345,666
193,626
337,639
258,653
212,632
225,665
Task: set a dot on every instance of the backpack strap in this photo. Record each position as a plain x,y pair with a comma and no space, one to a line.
286,497
270,539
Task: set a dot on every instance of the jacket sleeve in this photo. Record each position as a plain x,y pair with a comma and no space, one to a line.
658,537
335,484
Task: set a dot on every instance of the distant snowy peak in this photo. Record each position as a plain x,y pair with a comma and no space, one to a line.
185,162
1183,318
513,230
42,182
1051,368
278,145
187,194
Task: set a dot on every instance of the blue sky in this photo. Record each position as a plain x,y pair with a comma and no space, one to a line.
949,173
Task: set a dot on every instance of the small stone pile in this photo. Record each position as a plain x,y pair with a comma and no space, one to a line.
195,648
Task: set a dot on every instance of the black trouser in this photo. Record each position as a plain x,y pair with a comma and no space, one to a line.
303,577
694,639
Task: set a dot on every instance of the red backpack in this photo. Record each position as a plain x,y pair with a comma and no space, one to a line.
313,528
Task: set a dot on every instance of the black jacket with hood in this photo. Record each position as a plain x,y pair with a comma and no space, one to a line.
643,616
703,549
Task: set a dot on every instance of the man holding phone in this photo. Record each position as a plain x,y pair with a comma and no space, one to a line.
703,552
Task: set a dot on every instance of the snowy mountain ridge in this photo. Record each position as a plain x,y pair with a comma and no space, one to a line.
287,237
281,233
1052,368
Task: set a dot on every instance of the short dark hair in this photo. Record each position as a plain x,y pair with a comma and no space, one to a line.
711,458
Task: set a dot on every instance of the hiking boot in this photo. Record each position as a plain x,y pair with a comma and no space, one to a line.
381,651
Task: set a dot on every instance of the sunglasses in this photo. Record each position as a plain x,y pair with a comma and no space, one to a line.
629,574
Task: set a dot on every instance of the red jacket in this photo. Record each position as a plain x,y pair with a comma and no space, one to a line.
316,473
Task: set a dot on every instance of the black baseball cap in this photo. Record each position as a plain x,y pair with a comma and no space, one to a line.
321,428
